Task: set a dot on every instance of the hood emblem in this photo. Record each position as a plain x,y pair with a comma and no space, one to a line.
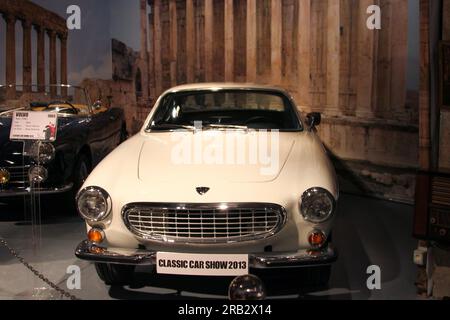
202,190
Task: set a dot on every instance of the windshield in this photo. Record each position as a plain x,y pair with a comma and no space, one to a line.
230,109
65,100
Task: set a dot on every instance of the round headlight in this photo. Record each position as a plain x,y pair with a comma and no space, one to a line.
37,174
247,287
42,152
317,205
4,176
93,203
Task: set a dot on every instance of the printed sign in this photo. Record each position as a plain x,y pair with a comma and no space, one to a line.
202,264
30,125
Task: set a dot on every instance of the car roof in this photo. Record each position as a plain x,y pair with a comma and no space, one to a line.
213,86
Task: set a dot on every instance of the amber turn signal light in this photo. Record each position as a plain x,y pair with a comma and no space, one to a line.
4,176
317,239
96,235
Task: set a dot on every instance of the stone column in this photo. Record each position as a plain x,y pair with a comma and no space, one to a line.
10,55
40,61
190,41
144,48
208,12
365,63
63,39
251,55
27,67
52,67
276,32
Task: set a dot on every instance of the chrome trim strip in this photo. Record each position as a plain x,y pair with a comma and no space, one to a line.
37,191
17,167
301,258
20,182
205,206
89,251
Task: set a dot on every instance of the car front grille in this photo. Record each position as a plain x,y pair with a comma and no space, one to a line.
19,175
203,223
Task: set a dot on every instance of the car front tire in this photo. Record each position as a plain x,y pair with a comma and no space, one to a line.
114,274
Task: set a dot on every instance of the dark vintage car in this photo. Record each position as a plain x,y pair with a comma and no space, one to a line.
86,133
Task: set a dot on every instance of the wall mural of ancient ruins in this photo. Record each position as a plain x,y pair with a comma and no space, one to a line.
189,41
341,107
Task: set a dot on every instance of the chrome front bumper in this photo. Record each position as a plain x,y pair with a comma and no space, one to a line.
37,191
89,251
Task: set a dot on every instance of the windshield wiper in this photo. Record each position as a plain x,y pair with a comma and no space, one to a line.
170,126
225,126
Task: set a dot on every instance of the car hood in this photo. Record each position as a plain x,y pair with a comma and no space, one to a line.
231,156
141,170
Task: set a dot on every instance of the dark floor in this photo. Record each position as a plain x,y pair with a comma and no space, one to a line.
368,232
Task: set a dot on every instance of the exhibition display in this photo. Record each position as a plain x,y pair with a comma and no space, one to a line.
87,132
226,212
204,150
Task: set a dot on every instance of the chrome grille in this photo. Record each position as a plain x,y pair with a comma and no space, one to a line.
205,223
19,175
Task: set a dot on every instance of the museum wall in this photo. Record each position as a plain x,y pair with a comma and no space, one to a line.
444,145
319,50
322,53
51,42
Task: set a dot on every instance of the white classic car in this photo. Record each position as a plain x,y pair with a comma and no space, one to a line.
222,180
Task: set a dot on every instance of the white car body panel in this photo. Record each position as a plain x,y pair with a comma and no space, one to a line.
140,170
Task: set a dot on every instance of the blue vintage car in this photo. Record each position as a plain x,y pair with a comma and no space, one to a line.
86,133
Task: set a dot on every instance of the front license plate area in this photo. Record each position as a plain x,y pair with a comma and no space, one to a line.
201,264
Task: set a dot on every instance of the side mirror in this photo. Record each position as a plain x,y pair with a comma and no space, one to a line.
313,119
97,104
